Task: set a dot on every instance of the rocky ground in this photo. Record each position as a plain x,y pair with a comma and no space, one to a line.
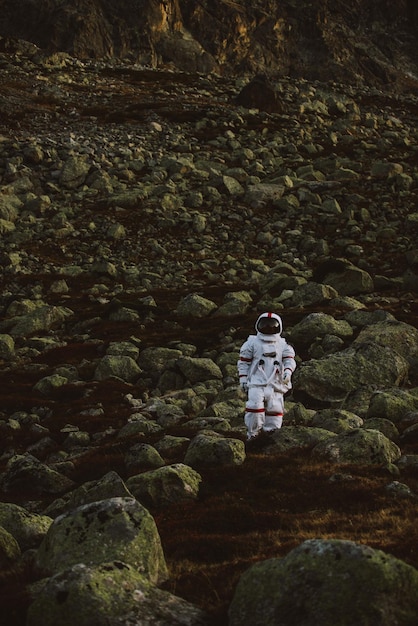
148,208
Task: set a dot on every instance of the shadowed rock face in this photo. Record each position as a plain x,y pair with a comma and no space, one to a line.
373,42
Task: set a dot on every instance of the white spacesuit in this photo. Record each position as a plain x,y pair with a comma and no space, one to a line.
265,369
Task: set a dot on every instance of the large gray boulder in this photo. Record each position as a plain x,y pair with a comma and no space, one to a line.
110,594
295,438
198,369
352,281
318,325
7,347
235,303
312,293
24,469
332,377
108,486
393,404
325,583
401,337
122,367
336,420
359,445
166,485
195,305
9,550
155,360
209,449
95,533
41,319
27,528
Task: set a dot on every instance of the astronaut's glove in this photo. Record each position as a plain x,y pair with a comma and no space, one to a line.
244,386
286,378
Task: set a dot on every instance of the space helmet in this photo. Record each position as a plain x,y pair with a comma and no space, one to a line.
269,324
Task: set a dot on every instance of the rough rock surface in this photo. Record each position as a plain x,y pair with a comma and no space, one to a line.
110,594
366,40
101,531
312,585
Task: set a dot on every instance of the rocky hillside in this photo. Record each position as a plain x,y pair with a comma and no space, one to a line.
365,41
147,215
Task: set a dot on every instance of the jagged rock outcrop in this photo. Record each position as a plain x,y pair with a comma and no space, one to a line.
363,41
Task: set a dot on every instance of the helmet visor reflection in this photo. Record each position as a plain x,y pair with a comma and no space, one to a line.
268,326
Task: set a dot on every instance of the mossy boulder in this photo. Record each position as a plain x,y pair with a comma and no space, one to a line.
359,445
401,337
25,469
166,485
27,528
327,583
209,449
108,486
110,594
98,532
318,325
336,420
9,549
122,367
392,404
295,438
331,378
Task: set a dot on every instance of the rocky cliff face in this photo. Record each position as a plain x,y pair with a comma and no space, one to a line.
370,41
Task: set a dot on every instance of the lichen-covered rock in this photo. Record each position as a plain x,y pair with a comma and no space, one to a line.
196,306
368,447
383,425
166,485
7,347
295,438
27,528
24,469
154,360
210,449
332,377
336,420
123,367
142,456
401,337
346,278
318,325
117,528
312,293
48,384
211,422
41,319
392,404
9,549
137,424
74,172
235,303
327,582
198,369
110,485
110,594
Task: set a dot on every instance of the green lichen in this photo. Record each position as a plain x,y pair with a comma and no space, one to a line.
328,583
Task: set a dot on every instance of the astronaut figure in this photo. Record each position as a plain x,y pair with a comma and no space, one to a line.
265,369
